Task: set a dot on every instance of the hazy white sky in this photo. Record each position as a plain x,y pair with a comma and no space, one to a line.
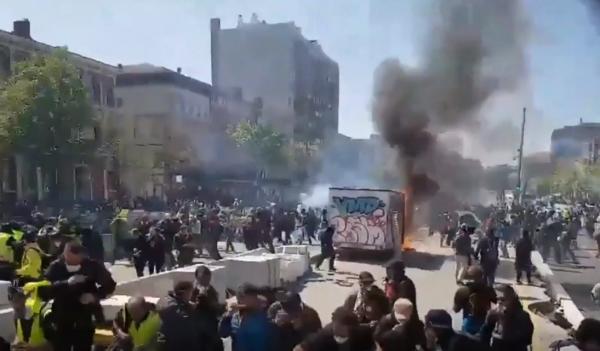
563,55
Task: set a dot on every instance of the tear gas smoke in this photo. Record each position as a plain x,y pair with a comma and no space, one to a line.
318,196
474,50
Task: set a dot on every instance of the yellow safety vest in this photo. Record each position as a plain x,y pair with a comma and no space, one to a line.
36,336
31,264
145,333
18,235
6,252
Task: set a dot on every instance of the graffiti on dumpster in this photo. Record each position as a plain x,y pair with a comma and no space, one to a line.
359,220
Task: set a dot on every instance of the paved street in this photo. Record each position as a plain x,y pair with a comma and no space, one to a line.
578,280
432,270
430,267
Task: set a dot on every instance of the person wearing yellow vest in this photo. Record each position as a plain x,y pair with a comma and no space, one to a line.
137,325
32,323
7,242
31,262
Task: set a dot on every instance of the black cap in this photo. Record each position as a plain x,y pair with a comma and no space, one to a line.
438,319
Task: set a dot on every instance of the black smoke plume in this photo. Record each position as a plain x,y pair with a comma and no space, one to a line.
475,49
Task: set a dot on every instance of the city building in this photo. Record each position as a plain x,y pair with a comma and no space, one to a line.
575,144
292,82
89,181
173,133
164,128
358,162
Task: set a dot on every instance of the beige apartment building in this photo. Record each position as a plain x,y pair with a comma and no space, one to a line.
88,181
164,116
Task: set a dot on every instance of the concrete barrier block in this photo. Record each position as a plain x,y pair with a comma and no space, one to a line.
557,293
7,325
160,284
292,266
4,285
263,270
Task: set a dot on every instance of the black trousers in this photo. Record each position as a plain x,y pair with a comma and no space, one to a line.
139,264
73,339
520,268
548,243
213,249
331,260
155,265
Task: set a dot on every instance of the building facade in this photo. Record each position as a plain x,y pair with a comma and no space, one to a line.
94,181
173,133
165,127
291,80
575,144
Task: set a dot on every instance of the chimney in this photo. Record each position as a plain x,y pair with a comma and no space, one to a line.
215,28
179,70
21,28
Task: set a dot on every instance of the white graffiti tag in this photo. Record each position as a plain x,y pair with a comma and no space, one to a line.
360,229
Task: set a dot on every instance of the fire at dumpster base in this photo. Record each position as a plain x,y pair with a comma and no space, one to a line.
368,219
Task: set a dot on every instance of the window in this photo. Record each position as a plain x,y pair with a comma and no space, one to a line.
96,90
110,97
4,61
19,55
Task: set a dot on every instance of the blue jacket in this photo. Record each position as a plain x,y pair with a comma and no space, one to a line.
251,333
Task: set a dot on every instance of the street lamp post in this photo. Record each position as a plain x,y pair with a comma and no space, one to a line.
520,165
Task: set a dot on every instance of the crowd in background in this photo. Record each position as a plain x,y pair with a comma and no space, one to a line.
59,279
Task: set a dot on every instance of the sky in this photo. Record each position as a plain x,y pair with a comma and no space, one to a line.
563,54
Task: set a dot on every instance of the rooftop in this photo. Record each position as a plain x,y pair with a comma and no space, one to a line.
147,74
583,130
21,35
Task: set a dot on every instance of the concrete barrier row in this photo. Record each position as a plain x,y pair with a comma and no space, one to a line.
258,267
555,290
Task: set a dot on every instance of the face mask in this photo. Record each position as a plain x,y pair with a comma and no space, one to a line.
73,268
340,339
400,318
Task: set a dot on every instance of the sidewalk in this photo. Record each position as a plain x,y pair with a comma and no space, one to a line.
432,270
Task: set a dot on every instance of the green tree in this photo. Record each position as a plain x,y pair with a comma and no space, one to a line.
46,114
266,146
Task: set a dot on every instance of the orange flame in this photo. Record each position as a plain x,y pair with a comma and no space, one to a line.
408,218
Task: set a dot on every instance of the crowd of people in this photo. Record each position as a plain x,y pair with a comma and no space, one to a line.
59,279
163,243
549,229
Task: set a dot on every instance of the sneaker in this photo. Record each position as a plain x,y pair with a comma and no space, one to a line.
332,269
519,282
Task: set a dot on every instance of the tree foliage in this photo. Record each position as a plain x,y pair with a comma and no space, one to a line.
265,144
45,109
582,182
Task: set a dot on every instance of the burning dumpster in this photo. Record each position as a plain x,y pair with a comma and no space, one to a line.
367,219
